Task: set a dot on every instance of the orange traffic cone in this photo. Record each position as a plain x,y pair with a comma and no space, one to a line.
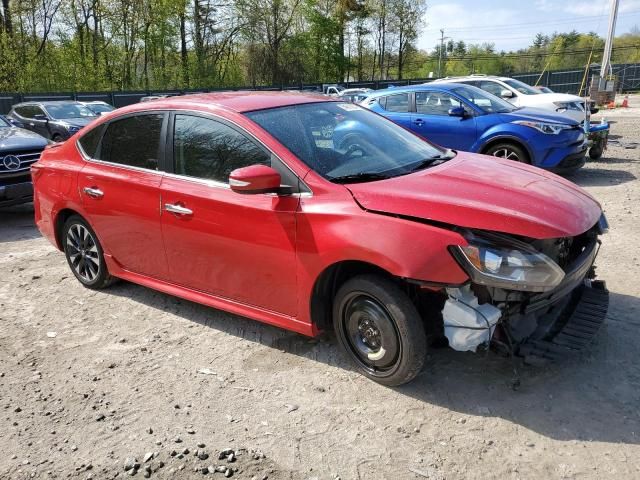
625,102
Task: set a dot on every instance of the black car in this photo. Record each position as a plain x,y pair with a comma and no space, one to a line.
57,120
19,148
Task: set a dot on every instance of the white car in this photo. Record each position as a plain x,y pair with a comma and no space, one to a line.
98,107
522,95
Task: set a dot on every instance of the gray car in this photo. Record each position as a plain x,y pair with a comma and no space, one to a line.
57,120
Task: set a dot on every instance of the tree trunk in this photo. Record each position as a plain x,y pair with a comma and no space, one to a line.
8,25
183,51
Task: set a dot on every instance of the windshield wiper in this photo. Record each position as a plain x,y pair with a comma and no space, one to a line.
435,160
359,177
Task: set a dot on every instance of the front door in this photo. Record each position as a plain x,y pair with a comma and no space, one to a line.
433,122
120,191
241,247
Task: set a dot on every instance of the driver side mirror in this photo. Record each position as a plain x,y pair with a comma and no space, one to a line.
457,112
506,93
255,179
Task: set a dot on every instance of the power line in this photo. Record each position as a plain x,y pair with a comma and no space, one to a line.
594,18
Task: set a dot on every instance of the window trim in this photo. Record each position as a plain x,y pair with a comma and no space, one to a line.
161,170
170,172
466,105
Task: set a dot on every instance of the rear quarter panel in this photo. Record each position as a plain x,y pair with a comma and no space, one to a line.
55,186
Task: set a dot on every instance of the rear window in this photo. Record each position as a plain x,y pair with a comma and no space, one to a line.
133,141
89,141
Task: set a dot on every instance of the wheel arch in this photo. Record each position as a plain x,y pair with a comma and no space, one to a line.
61,218
507,139
329,281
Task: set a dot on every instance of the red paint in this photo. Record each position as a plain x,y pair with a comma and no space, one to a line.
254,179
260,255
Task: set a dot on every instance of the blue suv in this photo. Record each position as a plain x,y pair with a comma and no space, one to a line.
463,117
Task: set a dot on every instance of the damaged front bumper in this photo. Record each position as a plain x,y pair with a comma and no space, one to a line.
540,326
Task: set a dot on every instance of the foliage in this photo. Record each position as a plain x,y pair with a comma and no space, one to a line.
95,45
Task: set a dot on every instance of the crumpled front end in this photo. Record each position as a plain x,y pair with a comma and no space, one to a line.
539,298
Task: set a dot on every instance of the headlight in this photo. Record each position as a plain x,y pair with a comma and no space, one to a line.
508,264
549,128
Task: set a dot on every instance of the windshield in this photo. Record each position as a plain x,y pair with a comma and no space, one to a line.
4,123
65,111
346,143
522,87
484,101
100,108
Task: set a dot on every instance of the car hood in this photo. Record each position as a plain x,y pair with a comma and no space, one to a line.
537,115
551,97
13,138
486,193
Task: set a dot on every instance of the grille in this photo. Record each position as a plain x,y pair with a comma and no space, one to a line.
27,159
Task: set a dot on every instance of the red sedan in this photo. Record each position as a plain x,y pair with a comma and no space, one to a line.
310,213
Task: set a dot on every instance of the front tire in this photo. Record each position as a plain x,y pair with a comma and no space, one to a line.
84,254
595,152
509,151
380,329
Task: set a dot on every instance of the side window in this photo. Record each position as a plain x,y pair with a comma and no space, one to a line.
397,103
436,103
89,141
492,87
208,149
24,111
36,110
133,141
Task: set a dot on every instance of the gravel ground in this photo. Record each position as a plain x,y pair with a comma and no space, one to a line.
91,380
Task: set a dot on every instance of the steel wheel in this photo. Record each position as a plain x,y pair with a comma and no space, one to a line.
83,252
371,333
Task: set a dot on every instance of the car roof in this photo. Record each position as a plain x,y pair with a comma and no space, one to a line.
416,88
239,102
45,102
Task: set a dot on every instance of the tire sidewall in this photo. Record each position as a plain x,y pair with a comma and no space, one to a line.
103,274
407,323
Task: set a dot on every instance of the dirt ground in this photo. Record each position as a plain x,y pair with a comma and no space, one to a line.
91,379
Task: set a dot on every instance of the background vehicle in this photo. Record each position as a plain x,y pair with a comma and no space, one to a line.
98,107
281,207
355,95
152,97
12,121
522,95
466,118
19,149
332,89
57,120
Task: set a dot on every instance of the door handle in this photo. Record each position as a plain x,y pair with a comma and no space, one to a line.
31,124
418,121
93,192
177,209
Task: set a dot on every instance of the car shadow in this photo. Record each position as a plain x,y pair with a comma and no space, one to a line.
590,176
590,397
17,223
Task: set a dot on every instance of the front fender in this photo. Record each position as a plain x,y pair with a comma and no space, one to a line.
505,132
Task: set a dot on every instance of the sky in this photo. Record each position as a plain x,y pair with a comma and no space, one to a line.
513,24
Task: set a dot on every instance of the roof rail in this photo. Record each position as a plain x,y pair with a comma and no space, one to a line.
478,75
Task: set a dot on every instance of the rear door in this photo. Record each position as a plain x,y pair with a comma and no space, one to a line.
397,107
433,122
240,247
120,188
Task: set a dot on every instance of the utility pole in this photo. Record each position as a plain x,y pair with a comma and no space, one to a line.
442,39
606,56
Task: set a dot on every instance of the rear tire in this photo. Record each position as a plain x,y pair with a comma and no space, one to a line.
379,329
57,138
509,151
84,254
